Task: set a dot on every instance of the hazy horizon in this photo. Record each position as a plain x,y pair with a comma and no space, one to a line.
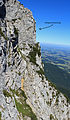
56,44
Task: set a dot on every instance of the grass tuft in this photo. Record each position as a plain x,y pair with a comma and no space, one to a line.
22,106
6,93
2,34
0,115
32,54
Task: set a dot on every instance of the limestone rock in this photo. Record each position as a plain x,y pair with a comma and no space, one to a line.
20,58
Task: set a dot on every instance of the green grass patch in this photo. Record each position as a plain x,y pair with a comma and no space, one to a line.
68,99
57,100
14,20
37,49
15,92
16,31
6,93
23,94
51,117
32,54
0,115
21,104
19,51
2,34
52,84
9,64
41,72
25,110
19,73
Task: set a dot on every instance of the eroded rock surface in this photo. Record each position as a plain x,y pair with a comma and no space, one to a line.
20,59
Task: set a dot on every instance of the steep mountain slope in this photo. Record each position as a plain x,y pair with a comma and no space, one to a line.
20,61
58,76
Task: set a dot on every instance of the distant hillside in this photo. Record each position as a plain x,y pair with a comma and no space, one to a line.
59,55
59,77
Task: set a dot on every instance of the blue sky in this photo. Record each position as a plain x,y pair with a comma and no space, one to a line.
51,10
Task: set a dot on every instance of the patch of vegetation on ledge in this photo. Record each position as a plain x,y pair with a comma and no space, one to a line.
19,52
41,72
0,115
2,34
6,93
22,106
51,84
32,54
52,117
16,31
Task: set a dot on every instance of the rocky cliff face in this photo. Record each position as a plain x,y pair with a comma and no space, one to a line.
25,93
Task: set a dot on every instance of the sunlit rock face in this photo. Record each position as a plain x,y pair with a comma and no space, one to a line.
21,67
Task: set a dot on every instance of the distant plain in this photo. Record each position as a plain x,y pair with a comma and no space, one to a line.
56,59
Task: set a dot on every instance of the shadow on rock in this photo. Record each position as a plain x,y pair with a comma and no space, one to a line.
2,9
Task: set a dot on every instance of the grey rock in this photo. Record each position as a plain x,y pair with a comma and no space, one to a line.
18,61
